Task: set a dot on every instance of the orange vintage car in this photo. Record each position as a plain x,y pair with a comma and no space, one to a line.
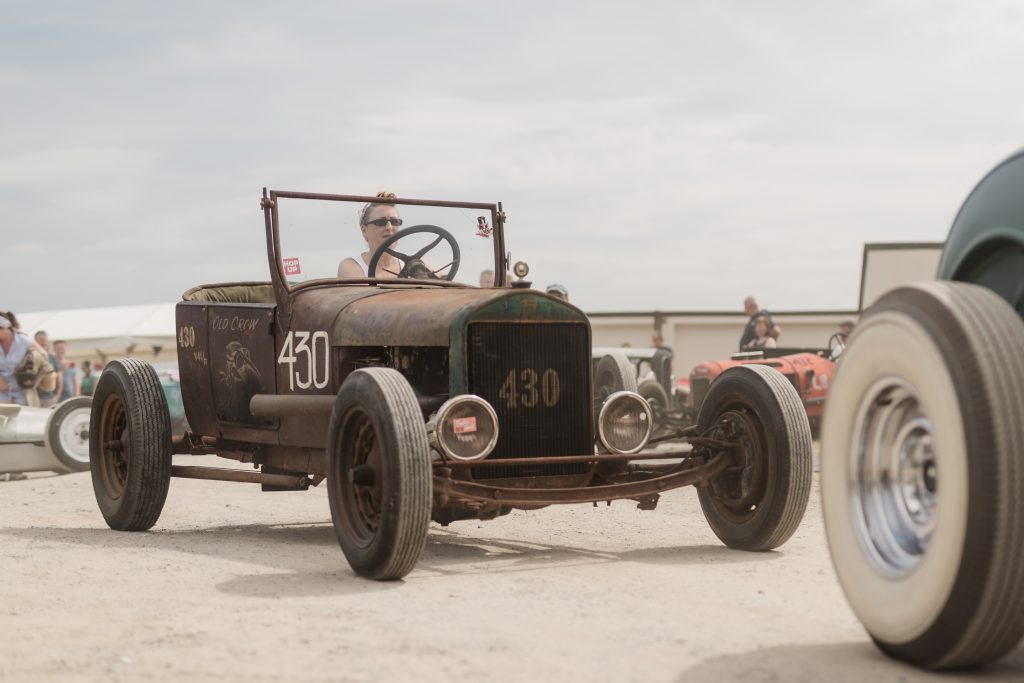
809,370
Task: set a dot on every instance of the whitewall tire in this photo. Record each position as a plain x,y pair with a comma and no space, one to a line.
922,474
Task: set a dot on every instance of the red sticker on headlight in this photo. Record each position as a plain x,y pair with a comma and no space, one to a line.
464,425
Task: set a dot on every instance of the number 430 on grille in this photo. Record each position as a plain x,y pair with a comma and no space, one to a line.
526,388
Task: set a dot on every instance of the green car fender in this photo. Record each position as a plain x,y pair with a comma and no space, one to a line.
985,246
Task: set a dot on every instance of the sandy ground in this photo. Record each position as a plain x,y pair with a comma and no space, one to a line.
235,584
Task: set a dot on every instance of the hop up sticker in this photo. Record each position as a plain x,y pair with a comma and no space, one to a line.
292,267
464,425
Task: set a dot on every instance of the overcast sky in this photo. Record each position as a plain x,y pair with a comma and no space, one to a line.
651,155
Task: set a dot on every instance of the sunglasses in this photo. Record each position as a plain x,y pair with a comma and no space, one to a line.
381,222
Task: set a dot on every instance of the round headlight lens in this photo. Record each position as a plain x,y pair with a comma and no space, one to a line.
625,422
464,428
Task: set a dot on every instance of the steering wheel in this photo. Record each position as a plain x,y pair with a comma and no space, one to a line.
413,265
836,344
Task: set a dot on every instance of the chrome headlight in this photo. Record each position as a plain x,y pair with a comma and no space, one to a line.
464,428
625,422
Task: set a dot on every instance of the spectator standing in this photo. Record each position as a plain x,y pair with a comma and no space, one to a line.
487,279
13,347
69,375
48,398
845,329
751,308
663,363
88,379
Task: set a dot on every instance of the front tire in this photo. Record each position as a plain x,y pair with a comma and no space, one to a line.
130,445
758,503
67,433
379,479
923,477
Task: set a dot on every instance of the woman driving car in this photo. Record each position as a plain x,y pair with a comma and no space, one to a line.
377,221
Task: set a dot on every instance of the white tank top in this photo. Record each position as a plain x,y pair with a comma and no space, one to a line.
358,259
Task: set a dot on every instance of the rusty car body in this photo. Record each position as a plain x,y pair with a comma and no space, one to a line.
418,397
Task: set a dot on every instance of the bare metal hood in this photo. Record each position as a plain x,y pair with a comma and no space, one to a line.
425,317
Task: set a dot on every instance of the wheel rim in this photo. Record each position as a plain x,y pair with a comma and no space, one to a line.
73,435
359,479
114,440
738,491
894,479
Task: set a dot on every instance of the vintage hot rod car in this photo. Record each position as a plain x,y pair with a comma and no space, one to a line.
675,407
808,370
922,469
415,396
54,439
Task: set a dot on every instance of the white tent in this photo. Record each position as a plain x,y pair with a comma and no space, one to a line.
146,330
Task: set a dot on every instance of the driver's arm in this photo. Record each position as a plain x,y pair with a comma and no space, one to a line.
348,268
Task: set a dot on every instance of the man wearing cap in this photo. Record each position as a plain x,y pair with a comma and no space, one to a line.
558,291
13,347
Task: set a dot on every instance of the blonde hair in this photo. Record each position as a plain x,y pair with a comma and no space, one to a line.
369,205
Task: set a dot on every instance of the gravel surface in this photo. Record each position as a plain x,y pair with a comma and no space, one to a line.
235,584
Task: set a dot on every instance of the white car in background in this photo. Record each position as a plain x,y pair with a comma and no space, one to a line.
45,439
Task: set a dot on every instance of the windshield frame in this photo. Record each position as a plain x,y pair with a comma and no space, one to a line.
283,290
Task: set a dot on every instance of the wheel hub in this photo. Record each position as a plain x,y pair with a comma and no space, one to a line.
896,478
362,479
740,487
114,441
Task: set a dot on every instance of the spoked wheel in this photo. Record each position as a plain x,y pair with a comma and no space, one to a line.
413,265
130,445
365,488
923,478
758,502
67,433
379,474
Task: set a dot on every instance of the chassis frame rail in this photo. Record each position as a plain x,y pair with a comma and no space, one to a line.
445,486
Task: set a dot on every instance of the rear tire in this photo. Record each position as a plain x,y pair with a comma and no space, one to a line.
130,445
923,477
379,479
759,503
67,433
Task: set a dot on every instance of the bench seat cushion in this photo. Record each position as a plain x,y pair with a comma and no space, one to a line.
233,293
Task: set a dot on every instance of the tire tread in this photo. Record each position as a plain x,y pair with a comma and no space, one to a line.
792,483
149,469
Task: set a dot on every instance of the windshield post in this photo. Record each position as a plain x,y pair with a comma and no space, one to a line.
270,217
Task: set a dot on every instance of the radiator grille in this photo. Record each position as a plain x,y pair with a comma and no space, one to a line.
537,377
